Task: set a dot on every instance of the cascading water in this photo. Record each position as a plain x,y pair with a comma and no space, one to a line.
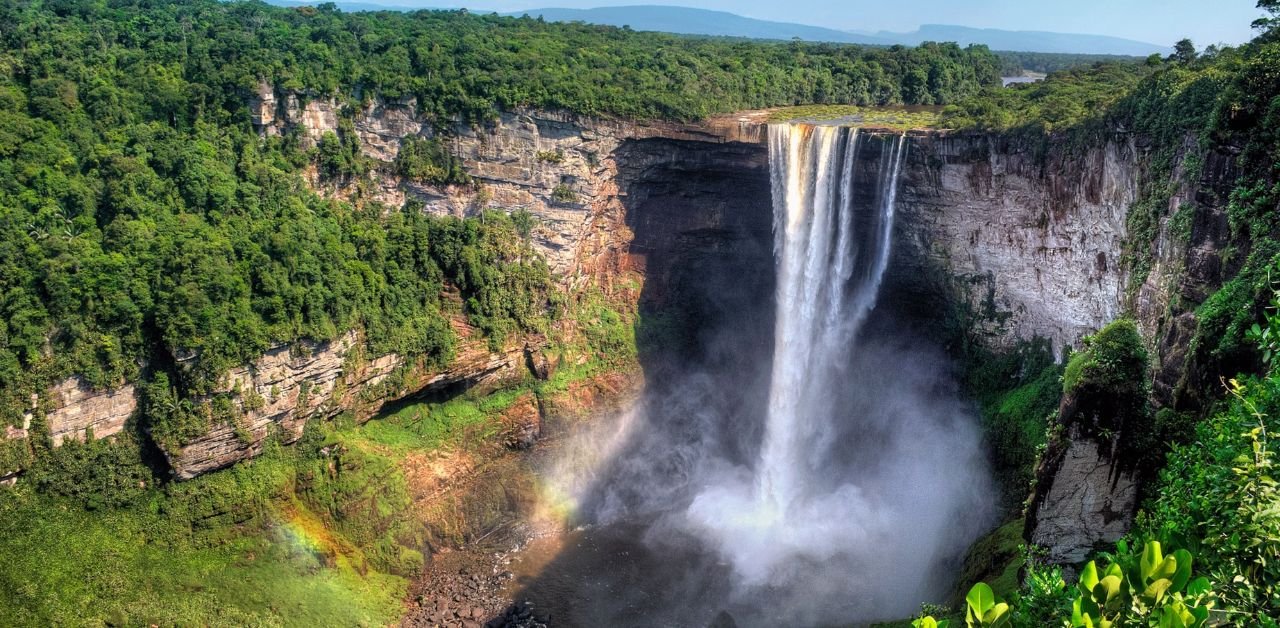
831,256
830,264
848,493
868,474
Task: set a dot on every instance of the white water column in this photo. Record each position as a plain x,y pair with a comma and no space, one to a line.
830,263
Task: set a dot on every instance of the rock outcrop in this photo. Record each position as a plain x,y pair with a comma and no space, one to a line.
79,408
291,385
522,422
1088,503
518,161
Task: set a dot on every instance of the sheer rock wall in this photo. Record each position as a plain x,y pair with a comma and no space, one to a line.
1030,244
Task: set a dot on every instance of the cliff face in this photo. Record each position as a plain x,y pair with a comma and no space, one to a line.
665,213
1037,243
291,385
1188,266
1031,245
518,162
79,409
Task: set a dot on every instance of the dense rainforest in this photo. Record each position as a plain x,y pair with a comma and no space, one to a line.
141,210
1013,63
1214,497
144,222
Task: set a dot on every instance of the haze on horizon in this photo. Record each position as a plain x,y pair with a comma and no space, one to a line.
1159,22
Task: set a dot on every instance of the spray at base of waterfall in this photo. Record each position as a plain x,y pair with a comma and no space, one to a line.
865,481
831,475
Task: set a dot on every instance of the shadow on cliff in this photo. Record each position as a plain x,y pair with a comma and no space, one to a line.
702,218
701,215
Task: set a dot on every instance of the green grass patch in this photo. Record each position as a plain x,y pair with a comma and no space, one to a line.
294,538
458,422
1017,391
994,559
65,566
894,118
324,532
363,508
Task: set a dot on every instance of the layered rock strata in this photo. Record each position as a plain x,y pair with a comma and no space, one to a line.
1031,243
280,392
80,410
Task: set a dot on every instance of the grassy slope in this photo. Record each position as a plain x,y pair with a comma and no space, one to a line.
294,538
68,566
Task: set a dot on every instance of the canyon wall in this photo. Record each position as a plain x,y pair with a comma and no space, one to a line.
1031,241
662,213
1010,239
1030,244
517,163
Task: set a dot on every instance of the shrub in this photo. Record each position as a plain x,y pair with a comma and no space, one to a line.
97,474
551,156
1112,360
1147,589
429,161
562,193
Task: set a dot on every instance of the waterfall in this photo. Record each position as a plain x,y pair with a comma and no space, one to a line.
831,247
830,260
869,474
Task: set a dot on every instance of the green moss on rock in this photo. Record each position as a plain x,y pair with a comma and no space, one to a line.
1113,360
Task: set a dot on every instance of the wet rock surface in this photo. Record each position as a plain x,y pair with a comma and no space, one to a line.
472,588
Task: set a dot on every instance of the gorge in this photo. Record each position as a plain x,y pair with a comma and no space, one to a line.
951,225
434,318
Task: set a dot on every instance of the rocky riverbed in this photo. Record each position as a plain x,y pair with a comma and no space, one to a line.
482,582
471,588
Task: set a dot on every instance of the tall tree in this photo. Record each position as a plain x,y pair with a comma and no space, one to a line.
1270,23
1184,51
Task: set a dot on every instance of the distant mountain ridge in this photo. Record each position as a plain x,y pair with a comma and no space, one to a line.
691,21
1025,41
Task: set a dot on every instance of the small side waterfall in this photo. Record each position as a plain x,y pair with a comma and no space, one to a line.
830,263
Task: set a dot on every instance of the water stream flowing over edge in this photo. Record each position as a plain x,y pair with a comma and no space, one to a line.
868,457
819,469
830,264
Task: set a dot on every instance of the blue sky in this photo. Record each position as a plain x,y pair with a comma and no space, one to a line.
1155,21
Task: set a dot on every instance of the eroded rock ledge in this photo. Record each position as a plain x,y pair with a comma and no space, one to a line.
291,385
585,241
